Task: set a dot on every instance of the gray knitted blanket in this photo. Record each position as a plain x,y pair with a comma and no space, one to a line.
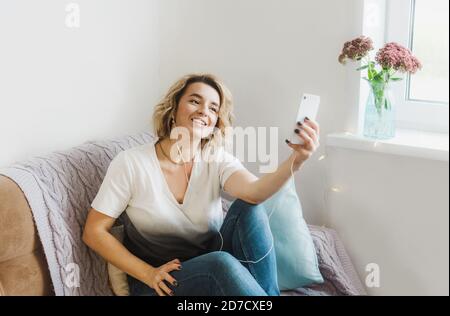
59,188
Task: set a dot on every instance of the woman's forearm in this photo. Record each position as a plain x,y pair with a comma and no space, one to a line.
270,183
108,247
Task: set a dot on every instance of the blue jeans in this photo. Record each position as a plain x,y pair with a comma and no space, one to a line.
246,237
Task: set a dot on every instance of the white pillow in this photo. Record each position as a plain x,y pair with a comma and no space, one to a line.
117,278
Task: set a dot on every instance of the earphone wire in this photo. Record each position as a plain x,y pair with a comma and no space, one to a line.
220,234
181,155
184,164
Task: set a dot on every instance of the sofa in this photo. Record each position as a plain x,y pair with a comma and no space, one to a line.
65,182
23,268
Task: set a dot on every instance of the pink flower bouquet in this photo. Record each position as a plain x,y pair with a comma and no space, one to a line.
390,59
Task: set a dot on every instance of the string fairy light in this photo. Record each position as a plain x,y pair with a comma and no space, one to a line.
328,188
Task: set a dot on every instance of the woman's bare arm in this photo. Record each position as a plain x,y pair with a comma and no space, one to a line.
98,237
244,185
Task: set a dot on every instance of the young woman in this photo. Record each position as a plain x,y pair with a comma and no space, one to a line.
176,239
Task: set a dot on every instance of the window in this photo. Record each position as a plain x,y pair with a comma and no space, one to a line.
423,27
429,40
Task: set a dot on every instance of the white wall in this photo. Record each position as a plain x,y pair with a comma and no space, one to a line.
393,211
269,52
61,86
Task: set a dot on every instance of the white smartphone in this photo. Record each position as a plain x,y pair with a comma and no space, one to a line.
309,107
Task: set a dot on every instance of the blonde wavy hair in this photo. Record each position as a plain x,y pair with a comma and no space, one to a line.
167,108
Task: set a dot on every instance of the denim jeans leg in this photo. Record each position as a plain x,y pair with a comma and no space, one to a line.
247,236
216,273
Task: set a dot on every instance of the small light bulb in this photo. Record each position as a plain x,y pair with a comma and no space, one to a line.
335,189
322,157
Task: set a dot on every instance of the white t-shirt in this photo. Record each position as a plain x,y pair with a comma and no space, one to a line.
135,183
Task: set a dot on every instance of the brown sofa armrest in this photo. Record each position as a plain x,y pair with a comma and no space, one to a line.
23,268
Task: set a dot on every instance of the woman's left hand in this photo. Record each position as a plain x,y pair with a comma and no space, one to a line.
309,132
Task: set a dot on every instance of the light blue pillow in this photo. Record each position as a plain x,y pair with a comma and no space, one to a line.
297,263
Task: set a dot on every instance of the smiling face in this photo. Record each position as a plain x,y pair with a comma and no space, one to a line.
198,109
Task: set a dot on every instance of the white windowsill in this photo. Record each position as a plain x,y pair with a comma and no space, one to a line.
410,143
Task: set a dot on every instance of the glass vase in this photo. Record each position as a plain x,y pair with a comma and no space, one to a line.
379,120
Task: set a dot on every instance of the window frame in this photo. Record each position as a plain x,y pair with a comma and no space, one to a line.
411,113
